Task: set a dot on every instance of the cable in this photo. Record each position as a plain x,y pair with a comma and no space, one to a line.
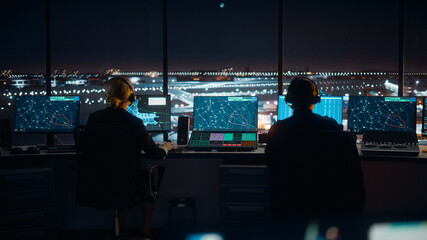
155,119
60,141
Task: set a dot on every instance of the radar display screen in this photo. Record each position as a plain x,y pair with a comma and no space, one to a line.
154,111
44,114
330,106
424,120
225,113
381,113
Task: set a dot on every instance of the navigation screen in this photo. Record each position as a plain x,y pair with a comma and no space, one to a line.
381,113
330,106
40,114
225,113
154,110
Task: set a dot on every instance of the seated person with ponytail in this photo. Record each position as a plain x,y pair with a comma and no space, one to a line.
119,95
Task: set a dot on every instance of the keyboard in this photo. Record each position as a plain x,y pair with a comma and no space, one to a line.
60,148
222,141
390,143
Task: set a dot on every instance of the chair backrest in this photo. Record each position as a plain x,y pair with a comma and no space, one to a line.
106,167
317,174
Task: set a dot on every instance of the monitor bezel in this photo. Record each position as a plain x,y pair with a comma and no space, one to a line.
56,131
228,130
168,98
362,131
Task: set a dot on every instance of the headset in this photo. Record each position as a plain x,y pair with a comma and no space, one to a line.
295,96
131,97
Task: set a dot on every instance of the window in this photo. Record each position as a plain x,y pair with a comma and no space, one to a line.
223,48
22,61
415,48
95,40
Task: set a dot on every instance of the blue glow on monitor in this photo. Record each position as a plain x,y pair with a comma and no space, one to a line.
225,113
204,236
154,111
381,113
330,106
43,114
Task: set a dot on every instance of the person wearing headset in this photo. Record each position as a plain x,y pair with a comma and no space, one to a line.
120,94
302,95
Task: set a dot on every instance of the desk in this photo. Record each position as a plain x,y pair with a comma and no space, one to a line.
393,184
255,154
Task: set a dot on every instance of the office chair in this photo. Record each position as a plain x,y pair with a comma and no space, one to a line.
106,170
318,174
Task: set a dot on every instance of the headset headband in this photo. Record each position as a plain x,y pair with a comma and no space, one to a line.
291,96
131,97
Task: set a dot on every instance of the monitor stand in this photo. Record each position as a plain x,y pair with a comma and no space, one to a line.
50,145
57,148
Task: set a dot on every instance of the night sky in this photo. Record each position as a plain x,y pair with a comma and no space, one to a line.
91,36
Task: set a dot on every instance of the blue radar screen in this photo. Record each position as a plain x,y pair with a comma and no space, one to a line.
225,113
154,111
40,114
330,106
381,113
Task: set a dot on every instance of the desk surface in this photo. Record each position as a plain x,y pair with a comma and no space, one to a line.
255,154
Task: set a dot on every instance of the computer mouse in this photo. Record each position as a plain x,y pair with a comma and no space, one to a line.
32,150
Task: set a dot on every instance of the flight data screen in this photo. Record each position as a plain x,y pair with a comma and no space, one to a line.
225,114
381,113
330,106
155,112
222,139
40,114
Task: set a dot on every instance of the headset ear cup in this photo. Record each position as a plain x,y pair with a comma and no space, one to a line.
288,98
294,96
316,99
132,98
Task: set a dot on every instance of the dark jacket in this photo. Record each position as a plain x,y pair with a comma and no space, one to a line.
109,163
315,168
139,135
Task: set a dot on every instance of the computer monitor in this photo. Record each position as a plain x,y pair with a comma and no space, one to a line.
381,113
330,106
225,113
46,114
154,110
424,120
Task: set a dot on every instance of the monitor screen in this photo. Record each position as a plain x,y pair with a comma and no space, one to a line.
225,113
424,120
330,106
154,110
44,114
381,113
